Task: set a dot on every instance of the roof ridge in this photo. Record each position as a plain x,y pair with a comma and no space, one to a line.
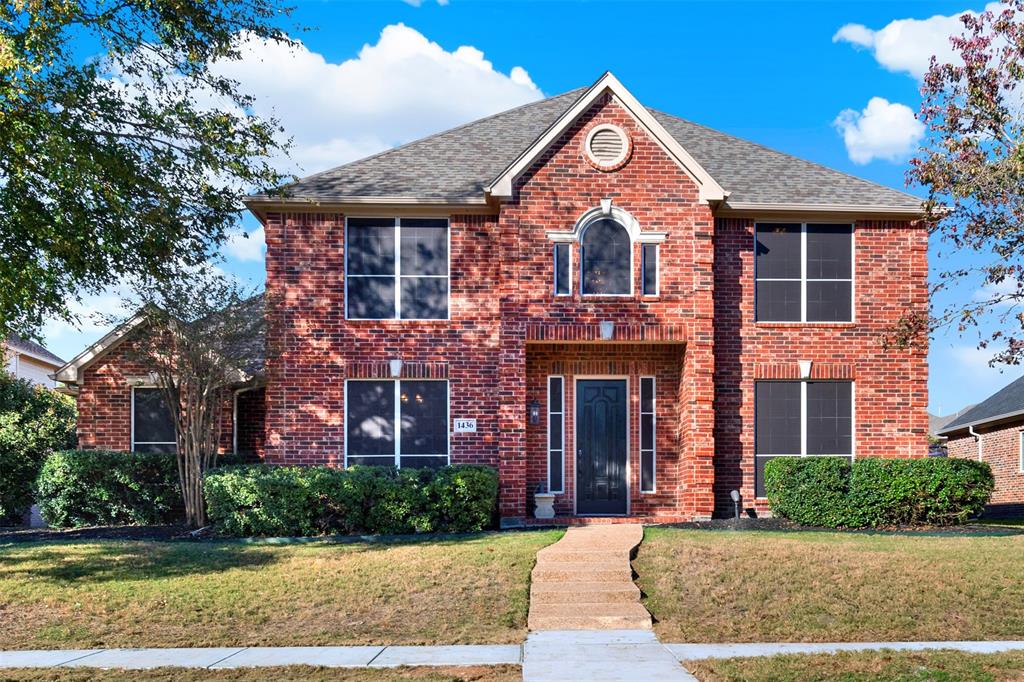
434,135
781,153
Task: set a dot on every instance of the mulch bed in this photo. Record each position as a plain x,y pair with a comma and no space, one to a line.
95,533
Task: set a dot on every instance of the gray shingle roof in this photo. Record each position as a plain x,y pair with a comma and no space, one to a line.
1006,401
459,163
33,348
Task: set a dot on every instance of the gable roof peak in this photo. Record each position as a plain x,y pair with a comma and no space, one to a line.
709,189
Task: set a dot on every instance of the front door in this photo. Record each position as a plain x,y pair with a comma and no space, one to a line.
601,448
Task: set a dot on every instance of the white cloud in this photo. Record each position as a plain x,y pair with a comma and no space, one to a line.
246,246
883,130
907,45
401,88
1005,293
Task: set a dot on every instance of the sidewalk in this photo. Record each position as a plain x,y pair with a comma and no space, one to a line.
605,656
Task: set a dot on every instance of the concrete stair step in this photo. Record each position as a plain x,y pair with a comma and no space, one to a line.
573,572
589,617
584,593
560,555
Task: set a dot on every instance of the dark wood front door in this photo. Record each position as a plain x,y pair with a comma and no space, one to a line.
601,446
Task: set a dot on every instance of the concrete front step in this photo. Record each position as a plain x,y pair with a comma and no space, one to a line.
602,556
584,593
568,572
589,616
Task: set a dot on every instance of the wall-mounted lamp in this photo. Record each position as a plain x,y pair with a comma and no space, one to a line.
396,367
607,330
805,369
534,412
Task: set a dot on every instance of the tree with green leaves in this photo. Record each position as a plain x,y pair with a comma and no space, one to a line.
973,168
123,151
198,340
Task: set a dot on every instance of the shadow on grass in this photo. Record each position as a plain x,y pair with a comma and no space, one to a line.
783,526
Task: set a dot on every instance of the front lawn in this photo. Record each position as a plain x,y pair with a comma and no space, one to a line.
742,586
164,594
890,666
501,673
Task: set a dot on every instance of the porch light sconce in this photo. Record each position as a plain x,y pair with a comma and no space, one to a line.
805,369
396,367
534,412
607,330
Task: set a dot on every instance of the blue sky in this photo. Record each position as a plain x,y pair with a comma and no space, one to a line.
826,81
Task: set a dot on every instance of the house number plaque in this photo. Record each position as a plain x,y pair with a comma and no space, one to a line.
465,426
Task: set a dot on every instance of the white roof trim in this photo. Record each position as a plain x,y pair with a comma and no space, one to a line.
13,350
826,208
710,190
69,372
946,430
261,200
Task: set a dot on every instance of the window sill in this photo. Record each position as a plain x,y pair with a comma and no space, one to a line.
817,325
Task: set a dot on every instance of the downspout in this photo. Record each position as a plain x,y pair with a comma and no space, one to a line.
977,439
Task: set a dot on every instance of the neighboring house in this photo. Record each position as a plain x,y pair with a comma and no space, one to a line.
993,431
626,308
28,360
937,422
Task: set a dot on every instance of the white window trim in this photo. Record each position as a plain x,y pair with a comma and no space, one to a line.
554,261
144,442
397,277
803,272
657,270
398,419
654,435
632,259
803,419
561,415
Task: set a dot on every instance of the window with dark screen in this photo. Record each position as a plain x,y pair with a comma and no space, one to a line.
804,272
152,422
396,423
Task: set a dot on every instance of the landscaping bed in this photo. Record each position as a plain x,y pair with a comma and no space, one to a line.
813,586
471,589
876,666
502,673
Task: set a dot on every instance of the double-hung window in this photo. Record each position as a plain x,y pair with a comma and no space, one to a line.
396,423
804,272
801,419
152,422
396,268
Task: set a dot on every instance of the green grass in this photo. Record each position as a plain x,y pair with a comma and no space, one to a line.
135,594
502,673
876,666
720,586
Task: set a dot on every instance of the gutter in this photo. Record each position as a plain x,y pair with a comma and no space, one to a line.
946,431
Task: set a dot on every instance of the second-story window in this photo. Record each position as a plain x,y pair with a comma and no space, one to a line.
396,268
606,265
804,272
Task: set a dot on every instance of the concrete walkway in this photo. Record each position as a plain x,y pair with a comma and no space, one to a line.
251,657
600,656
585,581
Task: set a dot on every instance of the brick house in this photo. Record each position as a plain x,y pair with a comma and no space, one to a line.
598,299
993,431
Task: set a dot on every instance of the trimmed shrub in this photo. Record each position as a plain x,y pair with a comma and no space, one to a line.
873,492
34,421
271,500
100,488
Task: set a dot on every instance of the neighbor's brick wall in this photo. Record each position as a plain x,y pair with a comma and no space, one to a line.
1001,451
891,385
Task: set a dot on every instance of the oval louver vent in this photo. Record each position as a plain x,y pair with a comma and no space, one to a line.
607,147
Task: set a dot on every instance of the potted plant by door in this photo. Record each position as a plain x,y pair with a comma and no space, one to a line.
544,503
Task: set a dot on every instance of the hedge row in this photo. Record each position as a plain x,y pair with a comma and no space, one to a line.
271,500
835,493
99,488
34,421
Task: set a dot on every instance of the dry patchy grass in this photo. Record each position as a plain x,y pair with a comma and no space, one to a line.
706,586
503,673
877,666
142,594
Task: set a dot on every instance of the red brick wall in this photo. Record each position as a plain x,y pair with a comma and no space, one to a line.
890,391
105,402
1001,450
